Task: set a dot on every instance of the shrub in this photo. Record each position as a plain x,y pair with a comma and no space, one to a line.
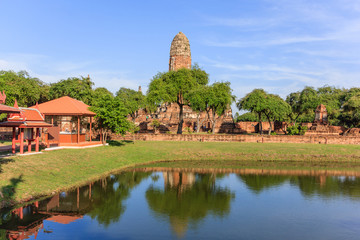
296,129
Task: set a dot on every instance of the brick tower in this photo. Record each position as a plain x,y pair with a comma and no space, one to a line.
180,54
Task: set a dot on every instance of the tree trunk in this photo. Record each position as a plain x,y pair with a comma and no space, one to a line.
181,119
213,122
198,122
270,128
260,125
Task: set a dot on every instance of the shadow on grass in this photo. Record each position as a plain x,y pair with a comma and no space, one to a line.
4,161
7,192
119,143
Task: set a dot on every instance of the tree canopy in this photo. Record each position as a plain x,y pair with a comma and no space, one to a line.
111,116
78,88
25,89
174,87
133,101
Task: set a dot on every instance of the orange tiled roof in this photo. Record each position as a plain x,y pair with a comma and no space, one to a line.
28,117
7,109
63,219
64,106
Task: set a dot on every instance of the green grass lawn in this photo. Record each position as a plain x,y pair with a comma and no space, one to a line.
5,142
24,177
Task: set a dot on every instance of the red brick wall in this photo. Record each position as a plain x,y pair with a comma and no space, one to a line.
318,139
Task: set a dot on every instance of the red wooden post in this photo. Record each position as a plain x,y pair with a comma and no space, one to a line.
37,139
29,140
21,141
78,130
29,145
21,213
13,141
90,128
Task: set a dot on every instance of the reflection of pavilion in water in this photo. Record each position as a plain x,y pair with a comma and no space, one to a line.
28,221
180,180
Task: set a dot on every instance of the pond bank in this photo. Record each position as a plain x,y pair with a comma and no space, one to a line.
28,177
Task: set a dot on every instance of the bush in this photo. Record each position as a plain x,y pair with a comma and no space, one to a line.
188,130
296,129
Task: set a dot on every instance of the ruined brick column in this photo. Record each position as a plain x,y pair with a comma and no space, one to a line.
180,54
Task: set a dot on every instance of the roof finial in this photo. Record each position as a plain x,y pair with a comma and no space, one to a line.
2,97
16,104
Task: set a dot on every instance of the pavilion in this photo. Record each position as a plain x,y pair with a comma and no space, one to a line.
25,120
68,116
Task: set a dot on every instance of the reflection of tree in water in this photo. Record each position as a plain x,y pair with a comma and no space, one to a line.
108,196
188,199
322,185
258,183
328,186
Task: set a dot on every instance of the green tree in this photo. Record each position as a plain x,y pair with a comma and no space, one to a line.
219,99
198,102
254,102
111,116
174,86
23,88
78,88
276,109
133,101
350,115
332,98
99,92
303,104
247,117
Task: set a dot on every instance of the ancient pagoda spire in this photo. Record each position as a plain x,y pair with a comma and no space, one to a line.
180,54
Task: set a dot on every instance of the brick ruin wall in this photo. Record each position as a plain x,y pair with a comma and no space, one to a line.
168,116
314,139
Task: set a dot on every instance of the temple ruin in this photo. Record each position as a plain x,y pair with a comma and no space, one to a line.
168,113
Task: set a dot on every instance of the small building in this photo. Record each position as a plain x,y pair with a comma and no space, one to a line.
26,124
70,118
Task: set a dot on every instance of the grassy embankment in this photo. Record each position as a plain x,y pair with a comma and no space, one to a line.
25,177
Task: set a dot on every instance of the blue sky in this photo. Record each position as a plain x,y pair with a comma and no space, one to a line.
277,45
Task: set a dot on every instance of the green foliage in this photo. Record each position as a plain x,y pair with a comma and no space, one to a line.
110,115
155,124
261,103
174,86
219,99
350,116
78,88
304,103
109,195
133,101
296,129
247,117
188,130
25,89
193,203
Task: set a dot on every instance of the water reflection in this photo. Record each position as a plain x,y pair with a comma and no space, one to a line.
188,198
310,186
185,200
101,200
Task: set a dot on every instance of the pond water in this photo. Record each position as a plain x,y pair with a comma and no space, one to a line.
193,205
